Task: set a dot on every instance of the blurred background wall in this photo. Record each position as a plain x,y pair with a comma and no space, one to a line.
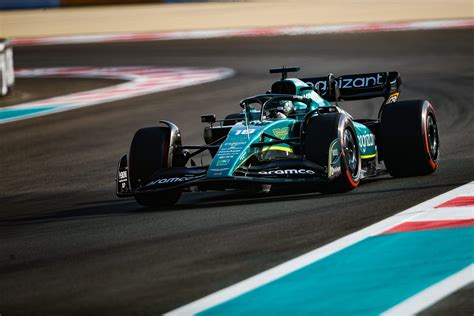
36,4
78,18
28,4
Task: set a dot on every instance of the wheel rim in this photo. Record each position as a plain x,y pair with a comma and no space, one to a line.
350,154
433,140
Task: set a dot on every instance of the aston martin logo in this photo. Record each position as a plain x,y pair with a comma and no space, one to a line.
280,132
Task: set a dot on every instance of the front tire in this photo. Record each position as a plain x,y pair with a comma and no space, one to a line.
409,138
325,130
148,154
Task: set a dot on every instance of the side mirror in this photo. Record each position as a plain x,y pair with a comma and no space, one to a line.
208,118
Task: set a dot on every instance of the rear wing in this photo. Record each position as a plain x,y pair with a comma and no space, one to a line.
358,87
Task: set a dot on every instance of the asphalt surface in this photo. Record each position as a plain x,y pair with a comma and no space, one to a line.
69,246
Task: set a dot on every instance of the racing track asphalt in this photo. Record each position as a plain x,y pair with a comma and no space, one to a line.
69,246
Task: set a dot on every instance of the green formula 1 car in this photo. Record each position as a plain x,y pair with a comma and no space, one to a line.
296,133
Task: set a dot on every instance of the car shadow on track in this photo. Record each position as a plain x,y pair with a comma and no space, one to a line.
190,201
95,210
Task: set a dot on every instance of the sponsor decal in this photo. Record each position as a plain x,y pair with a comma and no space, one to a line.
287,171
366,140
334,169
392,98
227,153
218,169
122,176
123,180
357,82
169,180
280,132
245,131
234,145
222,162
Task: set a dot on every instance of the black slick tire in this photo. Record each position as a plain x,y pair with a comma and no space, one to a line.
148,154
319,133
409,138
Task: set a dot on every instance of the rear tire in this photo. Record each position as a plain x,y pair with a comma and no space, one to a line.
148,154
320,132
409,138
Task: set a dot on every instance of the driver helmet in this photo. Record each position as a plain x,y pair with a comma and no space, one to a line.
283,110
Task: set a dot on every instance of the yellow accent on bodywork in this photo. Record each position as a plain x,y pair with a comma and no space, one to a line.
282,148
367,156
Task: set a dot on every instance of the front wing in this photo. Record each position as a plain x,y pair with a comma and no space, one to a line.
294,171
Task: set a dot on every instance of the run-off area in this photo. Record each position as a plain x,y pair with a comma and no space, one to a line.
399,266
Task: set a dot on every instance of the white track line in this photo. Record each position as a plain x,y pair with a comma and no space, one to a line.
319,253
433,294
244,32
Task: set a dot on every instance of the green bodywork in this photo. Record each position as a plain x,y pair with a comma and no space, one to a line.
236,149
